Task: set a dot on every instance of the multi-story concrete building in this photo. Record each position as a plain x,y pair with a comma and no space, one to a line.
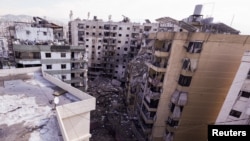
188,77
111,45
187,81
236,108
64,62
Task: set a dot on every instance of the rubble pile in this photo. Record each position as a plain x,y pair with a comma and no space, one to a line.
110,120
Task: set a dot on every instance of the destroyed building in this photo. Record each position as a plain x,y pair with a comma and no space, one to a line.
111,45
186,81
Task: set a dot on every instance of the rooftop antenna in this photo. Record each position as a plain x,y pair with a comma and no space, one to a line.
110,17
71,15
232,21
88,14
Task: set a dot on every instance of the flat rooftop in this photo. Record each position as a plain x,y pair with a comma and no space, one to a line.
27,108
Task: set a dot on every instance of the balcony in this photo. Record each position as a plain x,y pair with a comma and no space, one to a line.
179,98
147,116
148,107
155,81
156,67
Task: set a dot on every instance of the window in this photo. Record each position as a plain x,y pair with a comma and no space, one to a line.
248,75
100,34
100,27
119,35
118,48
125,49
87,26
127,35
27,32
93,33
63,54
44,33
48,55
99,47
171,122
87,46
128,28
120,28
123,66
63,77
245,94
63,66
235,113
93,46
93,26
194,47
87,39
119,41
184,80
49,67
87,33
126,42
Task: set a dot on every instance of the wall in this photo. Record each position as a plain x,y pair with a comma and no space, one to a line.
74,118
35,34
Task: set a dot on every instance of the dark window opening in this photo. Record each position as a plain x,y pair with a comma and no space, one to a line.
63,66
184,80
235,113
194,47
48,55
49,67
245,94
63,54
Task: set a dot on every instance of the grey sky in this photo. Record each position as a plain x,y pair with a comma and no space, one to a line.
231,12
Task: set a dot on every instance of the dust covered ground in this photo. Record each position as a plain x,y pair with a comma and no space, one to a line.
26,108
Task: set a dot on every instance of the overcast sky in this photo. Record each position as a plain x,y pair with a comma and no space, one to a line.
230,12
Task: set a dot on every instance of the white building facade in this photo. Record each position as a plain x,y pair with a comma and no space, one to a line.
236,108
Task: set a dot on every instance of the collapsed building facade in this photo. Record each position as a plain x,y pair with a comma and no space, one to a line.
41,43
111,45
186,81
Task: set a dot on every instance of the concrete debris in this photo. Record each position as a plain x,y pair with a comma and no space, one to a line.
110,120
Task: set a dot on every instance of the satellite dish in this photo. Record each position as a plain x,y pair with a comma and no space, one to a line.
56,100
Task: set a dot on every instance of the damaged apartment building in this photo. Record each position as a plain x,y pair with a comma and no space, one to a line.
185,80
111,45
42,43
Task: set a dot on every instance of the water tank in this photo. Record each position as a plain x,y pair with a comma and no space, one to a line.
197,10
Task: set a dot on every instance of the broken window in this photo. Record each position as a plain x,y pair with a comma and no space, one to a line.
184,80
81,26
63,77
125,49
248,75
99,47
119,41
100,34
44,33
100,27
118,48
189,64
48,67
87,46
63,66
119,35
63,54
245,94
87,33
235,113
93,26
48,55
194,47
171,122
27,32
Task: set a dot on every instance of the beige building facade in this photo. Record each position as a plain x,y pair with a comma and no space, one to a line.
188,79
